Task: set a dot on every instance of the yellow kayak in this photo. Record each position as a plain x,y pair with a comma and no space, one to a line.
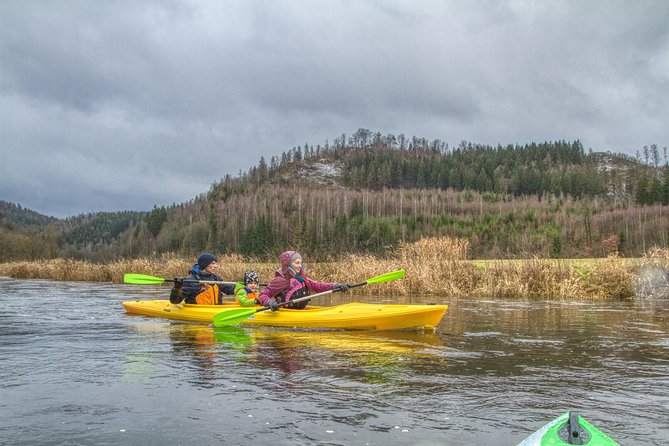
353,316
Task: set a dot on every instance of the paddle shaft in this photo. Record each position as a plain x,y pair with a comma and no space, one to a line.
143,279
209,282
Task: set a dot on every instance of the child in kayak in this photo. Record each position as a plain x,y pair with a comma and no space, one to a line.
246,293
291,282
194,292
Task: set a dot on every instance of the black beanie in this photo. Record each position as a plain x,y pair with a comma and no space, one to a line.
205,259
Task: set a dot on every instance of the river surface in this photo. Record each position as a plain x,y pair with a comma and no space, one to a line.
77,370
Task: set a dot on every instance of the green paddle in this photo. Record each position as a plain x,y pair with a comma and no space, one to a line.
142,279
234,316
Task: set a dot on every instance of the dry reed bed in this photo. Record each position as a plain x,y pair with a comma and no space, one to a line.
434,266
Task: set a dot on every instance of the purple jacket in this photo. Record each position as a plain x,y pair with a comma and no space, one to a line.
284,280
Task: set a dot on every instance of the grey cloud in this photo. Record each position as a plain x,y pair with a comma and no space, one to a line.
125,104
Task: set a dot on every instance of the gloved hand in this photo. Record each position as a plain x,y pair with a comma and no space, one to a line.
273,305
176,295
340,287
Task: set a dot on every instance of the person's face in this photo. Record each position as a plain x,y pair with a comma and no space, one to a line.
211,268
297,264
253,286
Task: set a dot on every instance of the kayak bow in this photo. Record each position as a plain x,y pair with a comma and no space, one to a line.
568,428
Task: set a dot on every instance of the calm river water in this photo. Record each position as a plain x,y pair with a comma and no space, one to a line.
76,370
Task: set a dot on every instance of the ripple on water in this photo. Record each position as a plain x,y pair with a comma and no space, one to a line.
483,334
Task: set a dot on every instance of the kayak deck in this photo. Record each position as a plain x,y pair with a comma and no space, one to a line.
353,316
568,428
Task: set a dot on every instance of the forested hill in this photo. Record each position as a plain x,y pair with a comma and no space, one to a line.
390,162
13,216
368,192
373,161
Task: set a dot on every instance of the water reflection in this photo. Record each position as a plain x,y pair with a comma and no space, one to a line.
289,351
492,373
287,358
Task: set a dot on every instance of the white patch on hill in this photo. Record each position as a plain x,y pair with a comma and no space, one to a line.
321,172
616,169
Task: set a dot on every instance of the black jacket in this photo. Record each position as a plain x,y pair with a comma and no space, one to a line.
192,288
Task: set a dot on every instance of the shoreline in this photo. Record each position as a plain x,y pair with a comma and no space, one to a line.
609,278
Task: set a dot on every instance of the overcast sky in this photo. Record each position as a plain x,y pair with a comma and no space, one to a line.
123,105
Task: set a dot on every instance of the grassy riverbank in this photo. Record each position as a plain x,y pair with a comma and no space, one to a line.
435,266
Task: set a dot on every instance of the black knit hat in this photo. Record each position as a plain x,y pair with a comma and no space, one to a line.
205,259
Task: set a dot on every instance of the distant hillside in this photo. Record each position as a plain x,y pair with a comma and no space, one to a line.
368,192
86,235
27,234
15,216
374,161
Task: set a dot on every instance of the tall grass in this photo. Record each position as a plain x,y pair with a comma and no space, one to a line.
435,266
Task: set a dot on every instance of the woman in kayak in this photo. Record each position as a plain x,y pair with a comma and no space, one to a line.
291,282
195,292
246,293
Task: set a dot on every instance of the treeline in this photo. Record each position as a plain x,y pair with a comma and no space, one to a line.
367,192
330,223
14,216
335,222
374,161
99,235
528,170
654,190
25,234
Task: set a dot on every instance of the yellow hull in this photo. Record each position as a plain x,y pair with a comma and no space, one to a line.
353,316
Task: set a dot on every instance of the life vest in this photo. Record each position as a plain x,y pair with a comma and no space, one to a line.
296,290
208,296
250,295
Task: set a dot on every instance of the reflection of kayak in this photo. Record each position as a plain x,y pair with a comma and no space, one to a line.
353,316
568,428
356,342
353,342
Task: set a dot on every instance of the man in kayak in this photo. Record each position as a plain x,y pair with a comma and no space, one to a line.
195,292
291,282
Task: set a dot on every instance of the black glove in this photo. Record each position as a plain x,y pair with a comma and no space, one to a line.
340,287
273,305
176,295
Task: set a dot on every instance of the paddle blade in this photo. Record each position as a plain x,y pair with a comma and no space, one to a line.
387,277
141,279
232,316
